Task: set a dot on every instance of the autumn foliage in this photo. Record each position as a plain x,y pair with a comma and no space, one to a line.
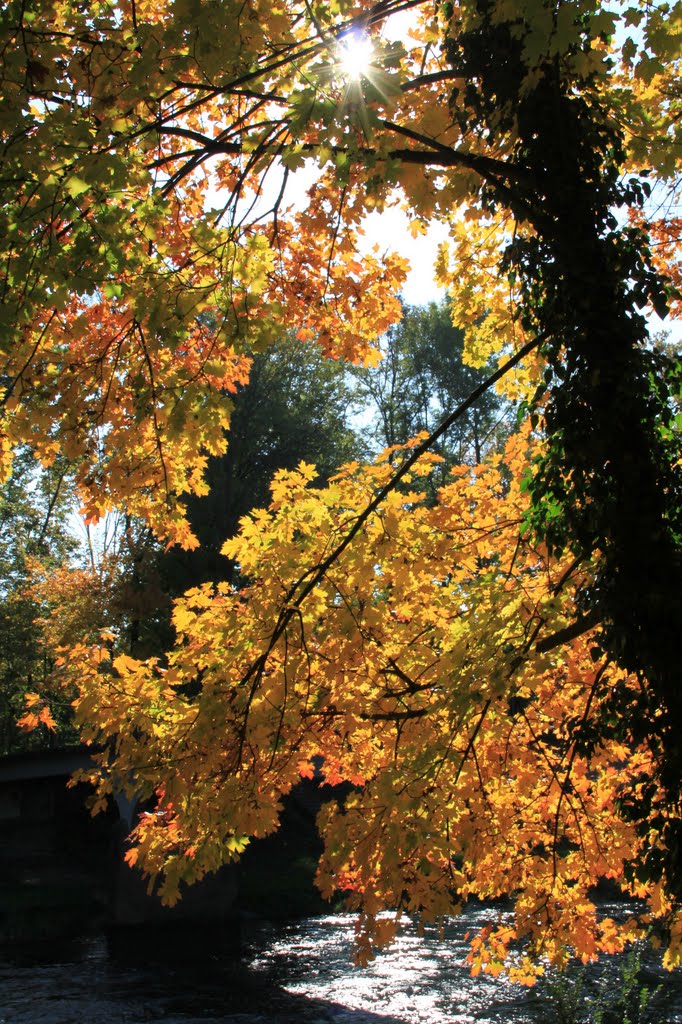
493,675
426,666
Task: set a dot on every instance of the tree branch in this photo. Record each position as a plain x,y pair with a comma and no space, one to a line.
583,624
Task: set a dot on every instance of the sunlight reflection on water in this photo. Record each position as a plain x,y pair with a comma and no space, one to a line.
419,979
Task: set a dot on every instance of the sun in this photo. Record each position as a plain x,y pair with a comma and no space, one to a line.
355,53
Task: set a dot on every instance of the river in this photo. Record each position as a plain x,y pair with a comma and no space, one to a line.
301,972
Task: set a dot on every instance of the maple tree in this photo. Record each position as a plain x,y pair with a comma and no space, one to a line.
498,671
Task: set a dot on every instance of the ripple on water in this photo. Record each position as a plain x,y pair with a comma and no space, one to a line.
420,979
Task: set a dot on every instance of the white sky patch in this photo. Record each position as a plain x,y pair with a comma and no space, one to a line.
390,231
398,28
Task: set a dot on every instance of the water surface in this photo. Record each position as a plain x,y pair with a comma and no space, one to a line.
293,973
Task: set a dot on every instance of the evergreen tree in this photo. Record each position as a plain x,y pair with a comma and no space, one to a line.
421,378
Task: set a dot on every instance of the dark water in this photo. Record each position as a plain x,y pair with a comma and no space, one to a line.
298,973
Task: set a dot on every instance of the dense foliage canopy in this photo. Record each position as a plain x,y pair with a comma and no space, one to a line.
496,671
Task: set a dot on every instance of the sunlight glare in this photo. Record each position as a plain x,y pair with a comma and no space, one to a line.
355,55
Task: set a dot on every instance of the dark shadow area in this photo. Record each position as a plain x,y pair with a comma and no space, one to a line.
177,974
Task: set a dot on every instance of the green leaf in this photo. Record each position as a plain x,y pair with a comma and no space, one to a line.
76,187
